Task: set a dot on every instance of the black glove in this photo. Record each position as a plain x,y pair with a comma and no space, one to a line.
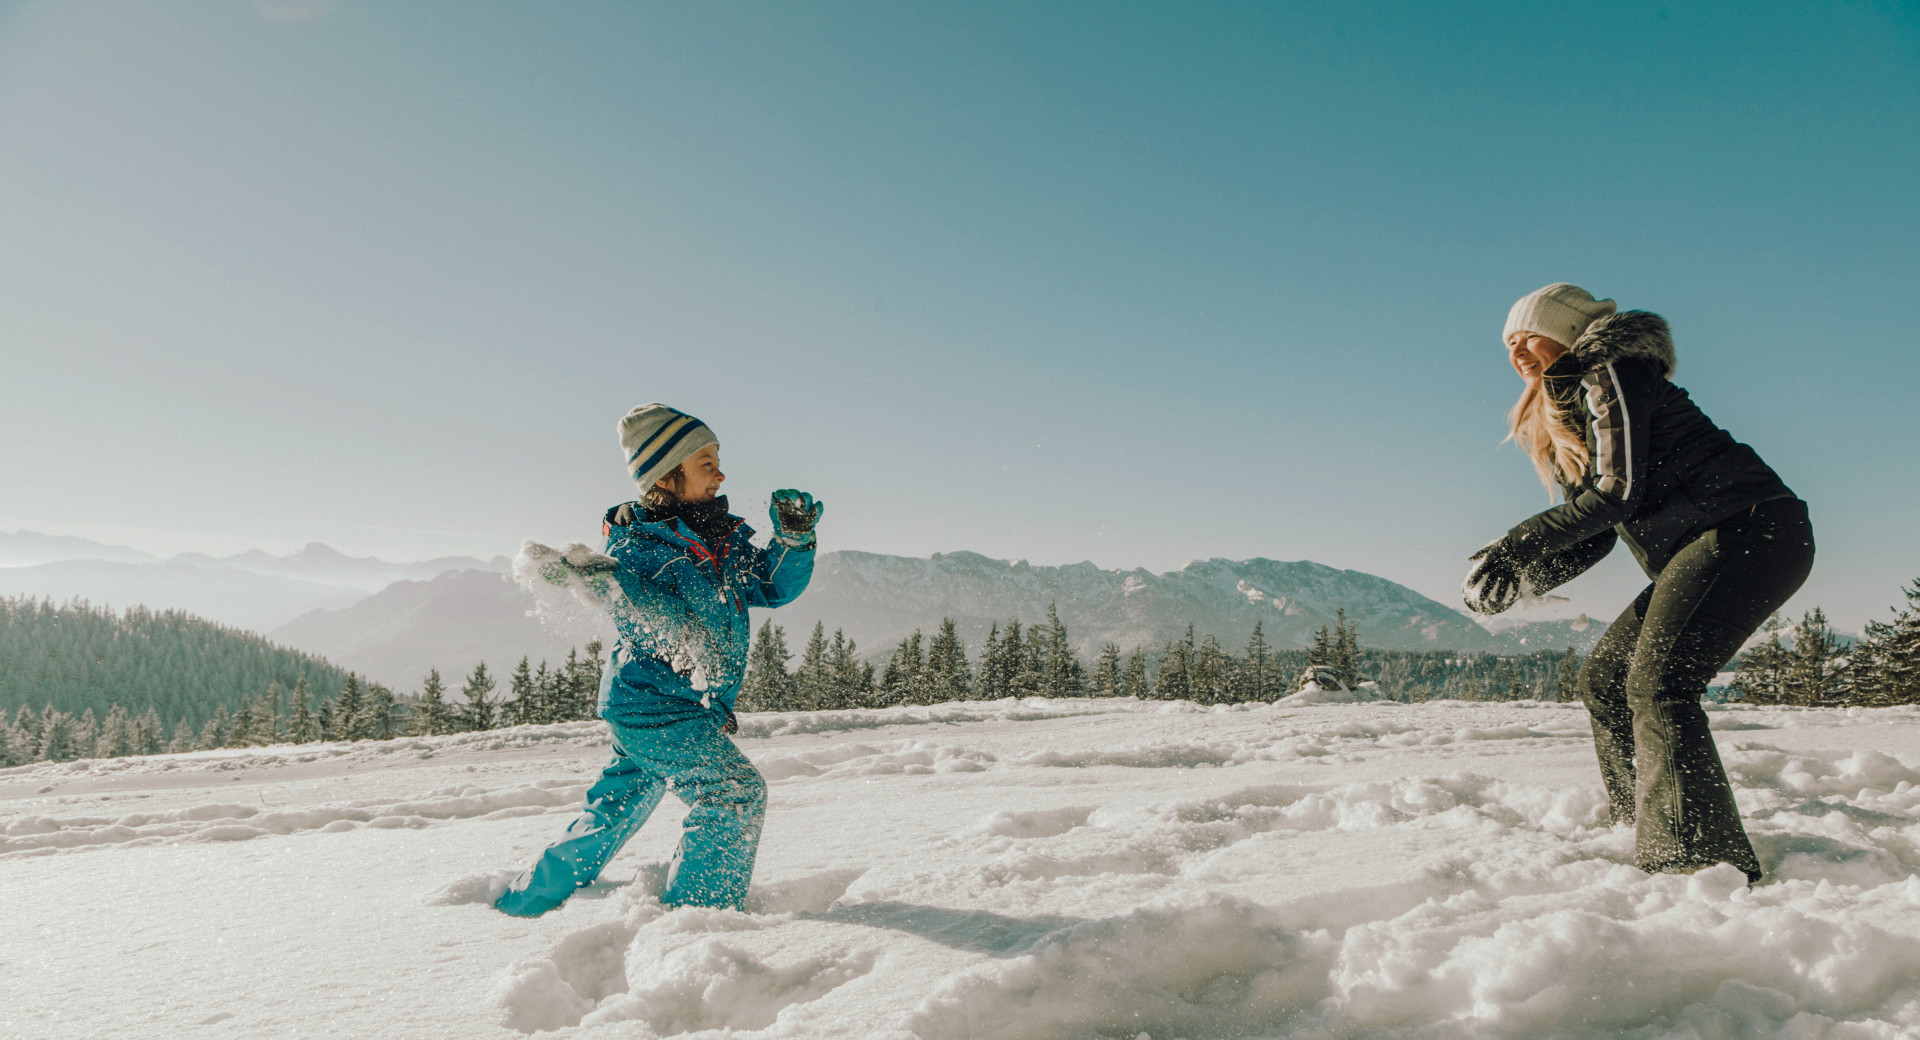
1493,584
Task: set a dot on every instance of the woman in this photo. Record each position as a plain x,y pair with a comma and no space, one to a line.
1724,541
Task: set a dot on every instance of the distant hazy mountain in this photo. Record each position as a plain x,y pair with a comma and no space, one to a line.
252,590
232,597
452,622
26,548
879,599
328,566
464,617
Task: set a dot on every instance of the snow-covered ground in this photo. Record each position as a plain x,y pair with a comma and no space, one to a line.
962,872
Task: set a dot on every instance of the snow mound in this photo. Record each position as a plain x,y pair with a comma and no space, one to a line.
1160,755
1613,950
691,969
905,757
762,725
1211,965
223,821
1314,693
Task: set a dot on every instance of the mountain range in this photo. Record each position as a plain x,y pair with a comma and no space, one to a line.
394,621
451,622
878,599
252,590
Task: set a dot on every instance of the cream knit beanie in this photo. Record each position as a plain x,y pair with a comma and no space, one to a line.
1560,312
657,438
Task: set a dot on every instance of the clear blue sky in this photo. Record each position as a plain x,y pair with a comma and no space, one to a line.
1130,283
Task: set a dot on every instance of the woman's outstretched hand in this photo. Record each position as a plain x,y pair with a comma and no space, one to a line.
1493,584
794,515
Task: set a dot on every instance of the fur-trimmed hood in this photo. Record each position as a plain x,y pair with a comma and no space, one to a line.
1628,334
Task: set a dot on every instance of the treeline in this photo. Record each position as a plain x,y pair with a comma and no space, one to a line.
81,658
1039,660
298,715
1819,668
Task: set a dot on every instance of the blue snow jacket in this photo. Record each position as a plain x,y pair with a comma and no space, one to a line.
684,630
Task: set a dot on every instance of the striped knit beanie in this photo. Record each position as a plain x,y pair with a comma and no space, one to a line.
657,438
1560,312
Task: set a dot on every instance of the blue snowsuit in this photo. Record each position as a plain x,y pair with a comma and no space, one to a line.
667,695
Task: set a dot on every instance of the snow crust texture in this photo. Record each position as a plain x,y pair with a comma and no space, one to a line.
1023,870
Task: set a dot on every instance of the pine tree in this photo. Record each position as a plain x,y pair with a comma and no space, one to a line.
905,680
1818,670
23,737
1024,659
767,687
1207,672
949,676
1321,651
1344,649
217,731
16,738
1106,672
264,726
56,736
852,679
1887,658
348,721
381,707
1060,673
478,713
240,729
116,735
525,708
995,677
302,726
1566,679
564,696
577,684
1516,690
1136,683
324,720
813,680
1760,672
183,736
148,739
546,700
86,733
1176,669
434,717
591,668
1261,680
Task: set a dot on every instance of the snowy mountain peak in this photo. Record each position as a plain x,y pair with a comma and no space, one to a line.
878,600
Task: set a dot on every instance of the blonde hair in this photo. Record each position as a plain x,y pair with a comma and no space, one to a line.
1553,440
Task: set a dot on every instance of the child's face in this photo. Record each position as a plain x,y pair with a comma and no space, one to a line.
700,475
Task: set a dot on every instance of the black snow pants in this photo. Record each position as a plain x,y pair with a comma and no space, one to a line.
1644,681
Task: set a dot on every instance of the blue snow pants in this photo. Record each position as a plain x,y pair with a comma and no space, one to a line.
692,758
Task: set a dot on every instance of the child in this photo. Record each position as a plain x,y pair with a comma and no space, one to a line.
678,577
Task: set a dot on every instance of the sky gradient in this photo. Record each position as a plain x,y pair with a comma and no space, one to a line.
1137,284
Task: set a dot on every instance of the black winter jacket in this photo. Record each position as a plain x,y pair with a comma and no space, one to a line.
1661,472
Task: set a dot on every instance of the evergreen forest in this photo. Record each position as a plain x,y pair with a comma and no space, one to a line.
298,715
77,658
1039,660
80,682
